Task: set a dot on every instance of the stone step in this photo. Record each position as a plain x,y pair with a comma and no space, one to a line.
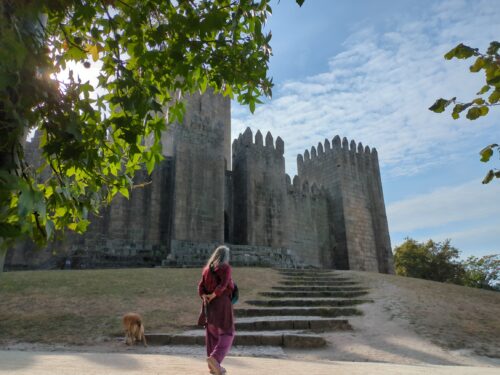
295,294
306,272
319,283
284,339
315,277
316,325
315,281
307,302
297,311
322,288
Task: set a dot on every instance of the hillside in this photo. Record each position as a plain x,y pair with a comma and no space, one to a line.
410,321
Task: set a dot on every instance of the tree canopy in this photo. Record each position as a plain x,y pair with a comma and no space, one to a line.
487,97
93,137
440,261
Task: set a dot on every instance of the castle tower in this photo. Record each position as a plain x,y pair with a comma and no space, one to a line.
199,147
352,177
259,190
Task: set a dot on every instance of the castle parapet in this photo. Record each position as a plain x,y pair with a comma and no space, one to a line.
246,141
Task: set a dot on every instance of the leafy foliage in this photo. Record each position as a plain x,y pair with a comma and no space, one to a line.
151,53
439,261
430,260
487,97
482,272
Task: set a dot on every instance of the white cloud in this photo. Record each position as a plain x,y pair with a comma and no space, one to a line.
449,204
378,89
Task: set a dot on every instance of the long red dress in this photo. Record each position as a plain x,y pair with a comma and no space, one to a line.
220,309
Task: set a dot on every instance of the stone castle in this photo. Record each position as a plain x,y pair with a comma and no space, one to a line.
208,191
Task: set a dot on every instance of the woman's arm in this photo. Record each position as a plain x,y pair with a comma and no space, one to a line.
224,273
201,285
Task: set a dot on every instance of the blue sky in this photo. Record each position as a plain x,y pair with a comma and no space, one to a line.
368,70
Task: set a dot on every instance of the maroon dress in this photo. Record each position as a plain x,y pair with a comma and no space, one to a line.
220,309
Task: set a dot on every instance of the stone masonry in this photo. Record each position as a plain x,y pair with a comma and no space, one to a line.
208,191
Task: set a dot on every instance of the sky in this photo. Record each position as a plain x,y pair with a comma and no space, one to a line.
368,70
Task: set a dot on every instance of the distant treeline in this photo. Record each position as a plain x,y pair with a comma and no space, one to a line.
439,261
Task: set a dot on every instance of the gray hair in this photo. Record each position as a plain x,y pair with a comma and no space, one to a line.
219,256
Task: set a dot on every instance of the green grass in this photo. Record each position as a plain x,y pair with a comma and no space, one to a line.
85,307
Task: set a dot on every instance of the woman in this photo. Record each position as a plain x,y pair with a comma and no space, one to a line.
215,289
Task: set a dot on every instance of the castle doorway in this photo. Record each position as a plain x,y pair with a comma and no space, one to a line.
226,227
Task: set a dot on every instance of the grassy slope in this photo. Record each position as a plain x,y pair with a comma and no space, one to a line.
84,307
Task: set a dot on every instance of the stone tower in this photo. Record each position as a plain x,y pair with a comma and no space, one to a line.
259,190
351,175
199,149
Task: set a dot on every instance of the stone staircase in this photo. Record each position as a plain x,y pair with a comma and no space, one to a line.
291,315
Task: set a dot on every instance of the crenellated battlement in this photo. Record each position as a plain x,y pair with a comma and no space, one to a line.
247,141
336,148
302,187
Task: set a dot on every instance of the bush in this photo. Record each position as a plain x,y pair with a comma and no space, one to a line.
439,261
430,260
482,272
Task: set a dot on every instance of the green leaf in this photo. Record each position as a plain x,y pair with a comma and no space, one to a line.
493,48
473,113
477,66
483,110
486,154
494,97
82,226
440,105
478,101
49,228
461,52
61,211
150,164
124,191
300,2
483,90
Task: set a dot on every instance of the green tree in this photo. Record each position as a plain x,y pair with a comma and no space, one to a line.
431,260
483,272
487,97
152,53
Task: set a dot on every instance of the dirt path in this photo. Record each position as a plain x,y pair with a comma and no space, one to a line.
19,363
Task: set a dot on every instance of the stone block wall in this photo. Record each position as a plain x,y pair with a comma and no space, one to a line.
259,190
308,224
128,233
199,154
343,170
196,254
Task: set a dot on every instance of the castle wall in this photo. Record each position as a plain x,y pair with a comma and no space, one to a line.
128,233
343,170
199,154
259,190
196,254
308,225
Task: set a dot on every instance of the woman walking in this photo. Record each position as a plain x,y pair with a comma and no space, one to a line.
215,289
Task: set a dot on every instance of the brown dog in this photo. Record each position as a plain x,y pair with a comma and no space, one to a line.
134,329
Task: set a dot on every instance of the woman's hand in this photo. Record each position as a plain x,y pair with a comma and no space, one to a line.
204,297
208,297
